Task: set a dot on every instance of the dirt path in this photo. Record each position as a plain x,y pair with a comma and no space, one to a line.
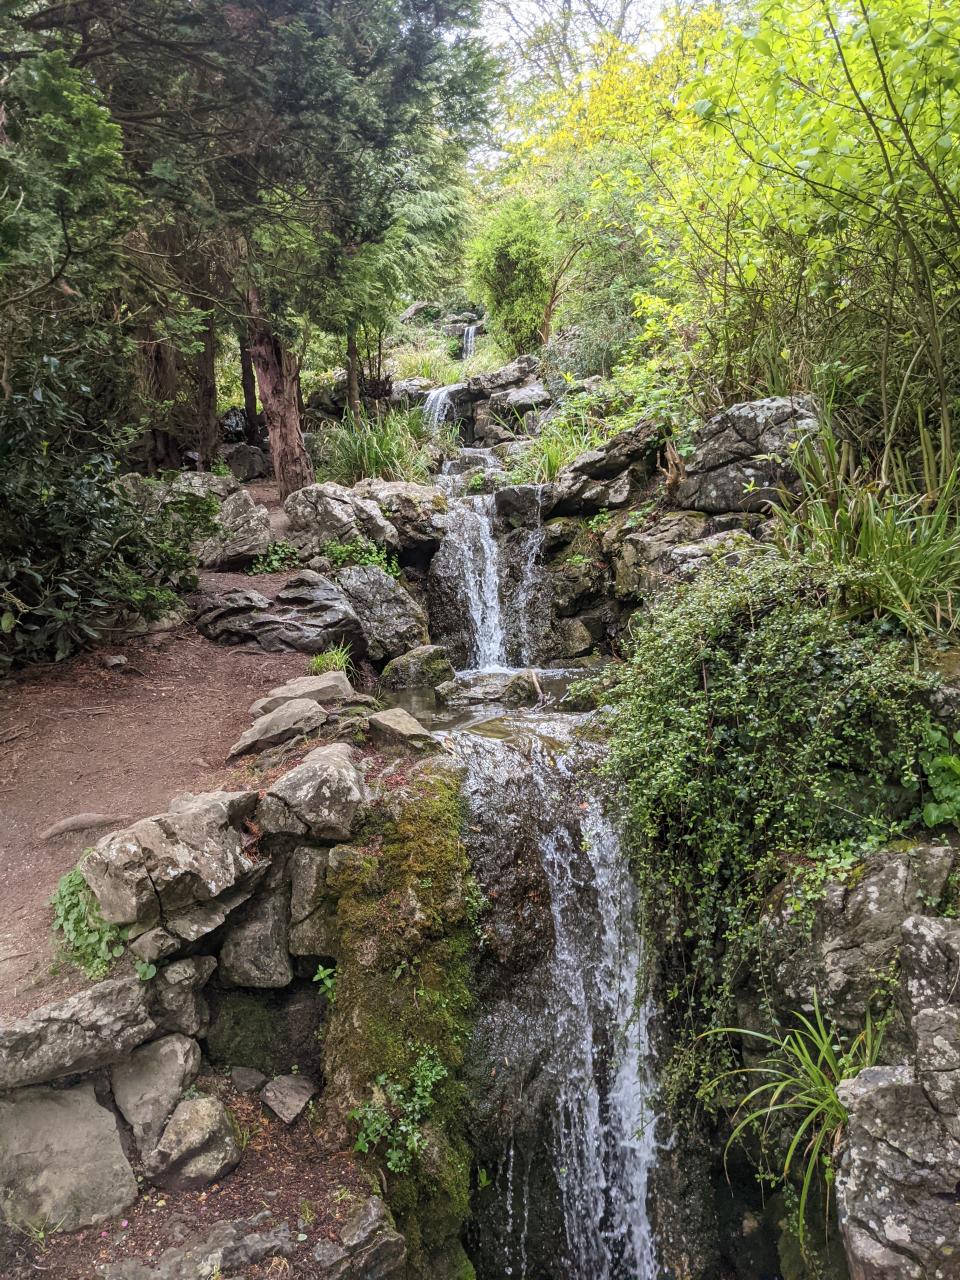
82,737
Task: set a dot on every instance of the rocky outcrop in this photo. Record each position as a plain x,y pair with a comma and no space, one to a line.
423,667
228,1248
607,477
91,1029
255,951
243,533
246,461
414,510
310,614
323,513
513,689
391,620
742,455
61,1163
368,1247
147,1085
296,718
320,798
186,869
197,1147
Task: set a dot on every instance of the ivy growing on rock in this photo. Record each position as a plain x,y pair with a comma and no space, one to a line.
754,737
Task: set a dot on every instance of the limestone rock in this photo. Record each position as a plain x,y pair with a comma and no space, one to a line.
177,1002
742,455
332,686
227,1248
297,718
511,405
186,869
247,1079
391,620
322,513
607,477
286,1096
254,952
368,1248
309,615
91,1029
514,374
641,557
319,798
148,1084
242,535
206,484
423,667
414,510
896,1186
511,688
246,461
61,1162
396,727
198,1146
313,911
156,944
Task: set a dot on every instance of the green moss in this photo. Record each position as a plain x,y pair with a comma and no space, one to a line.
404,985
244,1033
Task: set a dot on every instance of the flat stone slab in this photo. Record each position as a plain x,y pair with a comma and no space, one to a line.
294,719
397,727
286,1096
332,686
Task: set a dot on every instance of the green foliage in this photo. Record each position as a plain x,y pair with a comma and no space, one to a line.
900,545
754,736
278,556
360,551
512,271
394,1115
79,556
90,943
326,977
941,768
338,657
396,446
799,1078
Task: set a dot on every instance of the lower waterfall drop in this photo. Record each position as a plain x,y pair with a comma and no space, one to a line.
573,1039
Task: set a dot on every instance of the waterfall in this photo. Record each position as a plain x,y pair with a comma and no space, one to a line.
437,407
469,341
568,1058
474,551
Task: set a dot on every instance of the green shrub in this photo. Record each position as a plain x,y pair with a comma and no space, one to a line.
755,737
78,555
89,942
397,446
395,1113
360,551
278,556
336,658
901,544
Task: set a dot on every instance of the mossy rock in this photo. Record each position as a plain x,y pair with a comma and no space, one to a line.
271,1032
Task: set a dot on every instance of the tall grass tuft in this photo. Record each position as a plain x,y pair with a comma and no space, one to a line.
896,543
397,446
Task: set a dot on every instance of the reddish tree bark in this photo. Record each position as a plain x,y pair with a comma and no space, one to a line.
277,377
208,428
248,381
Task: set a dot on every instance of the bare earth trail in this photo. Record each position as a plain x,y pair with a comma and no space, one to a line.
81,737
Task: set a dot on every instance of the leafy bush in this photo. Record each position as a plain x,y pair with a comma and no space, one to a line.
278,556
755,737
337,658
78,554
360,551
800,1075
397,446
902,545
513,271
90,943
393,1116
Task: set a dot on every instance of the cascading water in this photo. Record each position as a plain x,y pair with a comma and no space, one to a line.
472,547
469,341
437,407
569,1106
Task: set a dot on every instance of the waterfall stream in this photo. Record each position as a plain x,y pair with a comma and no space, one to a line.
469,341
570,1045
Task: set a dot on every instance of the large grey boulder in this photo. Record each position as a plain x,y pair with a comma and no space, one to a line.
309,616
511,405
512,688
320,798
227,1248
519,371
328,512
607,477
313,913
90,1029
642,558
297,718
205,484
391,619
198,1146
332,686
423,667
246,461
368,1247
148,1084
176,996
186,869
61,1163
414,510
398,728
243,533
742,456
897,1183
255,948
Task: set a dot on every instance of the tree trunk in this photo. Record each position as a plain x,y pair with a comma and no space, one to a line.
251,430
208,429
276,370
353,374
